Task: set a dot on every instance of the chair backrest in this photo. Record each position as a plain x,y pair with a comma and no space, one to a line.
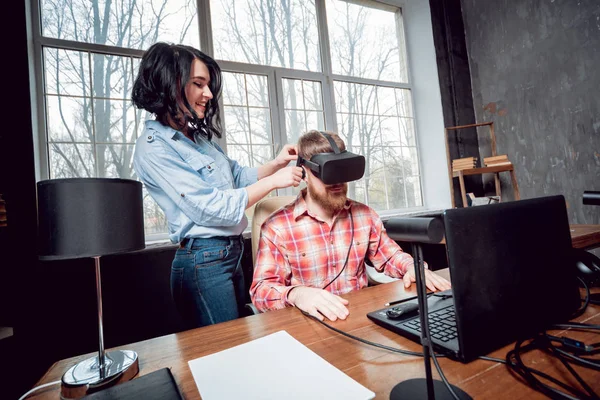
262,210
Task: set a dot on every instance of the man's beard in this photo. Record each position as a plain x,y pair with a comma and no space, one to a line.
330,201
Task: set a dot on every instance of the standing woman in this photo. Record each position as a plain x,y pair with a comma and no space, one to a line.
202,192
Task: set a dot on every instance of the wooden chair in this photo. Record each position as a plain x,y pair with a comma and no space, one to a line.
460,174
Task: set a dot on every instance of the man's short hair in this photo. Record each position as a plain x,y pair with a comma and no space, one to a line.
313,142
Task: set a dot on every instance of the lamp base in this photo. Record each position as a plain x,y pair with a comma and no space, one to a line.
84,377
417,389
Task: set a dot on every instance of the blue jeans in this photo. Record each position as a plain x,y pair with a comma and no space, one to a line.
207,281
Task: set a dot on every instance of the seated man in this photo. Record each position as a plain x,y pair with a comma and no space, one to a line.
314,249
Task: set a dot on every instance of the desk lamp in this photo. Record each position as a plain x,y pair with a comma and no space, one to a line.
419,230
91,217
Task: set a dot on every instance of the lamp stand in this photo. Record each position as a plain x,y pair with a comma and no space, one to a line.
420,388
105,369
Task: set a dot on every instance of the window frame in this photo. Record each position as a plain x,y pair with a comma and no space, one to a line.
275,76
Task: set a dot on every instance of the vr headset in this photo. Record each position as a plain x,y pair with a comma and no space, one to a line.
336,167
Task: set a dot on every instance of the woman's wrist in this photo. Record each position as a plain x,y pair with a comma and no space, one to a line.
269,168
277,165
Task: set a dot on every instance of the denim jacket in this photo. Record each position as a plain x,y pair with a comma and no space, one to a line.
199,188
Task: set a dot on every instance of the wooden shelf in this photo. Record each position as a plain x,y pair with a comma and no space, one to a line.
460,174
483,170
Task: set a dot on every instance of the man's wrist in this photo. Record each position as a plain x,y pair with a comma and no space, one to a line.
291,297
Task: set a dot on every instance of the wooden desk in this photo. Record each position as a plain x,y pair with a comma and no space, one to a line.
377,369
582,236
585,236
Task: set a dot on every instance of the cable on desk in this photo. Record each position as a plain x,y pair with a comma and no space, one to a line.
586,301
576,325
38,388
437,366
395,350
543,343
532,370
498,360
381,346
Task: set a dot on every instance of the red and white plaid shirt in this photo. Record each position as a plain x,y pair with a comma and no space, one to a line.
297,248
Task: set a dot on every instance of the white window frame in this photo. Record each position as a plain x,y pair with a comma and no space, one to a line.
422,81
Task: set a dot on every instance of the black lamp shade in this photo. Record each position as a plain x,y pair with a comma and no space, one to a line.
89,217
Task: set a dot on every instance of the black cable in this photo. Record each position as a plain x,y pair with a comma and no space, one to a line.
381,346
498,360
516,365
542,343
349,248
585,362
422,292
586,302
441,373
575,325
557,354
533,370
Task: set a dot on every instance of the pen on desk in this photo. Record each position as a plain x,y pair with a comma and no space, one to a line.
442,295
393,303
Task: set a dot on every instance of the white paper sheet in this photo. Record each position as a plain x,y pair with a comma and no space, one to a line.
276,366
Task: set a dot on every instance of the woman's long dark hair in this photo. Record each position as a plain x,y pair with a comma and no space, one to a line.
159,88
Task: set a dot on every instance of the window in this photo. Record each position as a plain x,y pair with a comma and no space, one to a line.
367,41
261,32
247,118
302,106
288,67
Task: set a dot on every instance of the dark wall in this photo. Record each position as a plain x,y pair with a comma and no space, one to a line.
534,67
455,87
18,264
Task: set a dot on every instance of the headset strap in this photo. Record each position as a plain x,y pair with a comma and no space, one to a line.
314,166
334,145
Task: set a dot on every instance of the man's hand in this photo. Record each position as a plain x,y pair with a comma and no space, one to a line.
433,281
318,302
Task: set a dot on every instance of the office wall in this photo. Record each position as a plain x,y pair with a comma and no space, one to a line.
17,240
534,72
455,87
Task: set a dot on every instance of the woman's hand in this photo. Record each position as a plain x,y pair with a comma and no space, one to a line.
286,177
287,154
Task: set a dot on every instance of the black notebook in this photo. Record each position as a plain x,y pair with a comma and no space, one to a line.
157,385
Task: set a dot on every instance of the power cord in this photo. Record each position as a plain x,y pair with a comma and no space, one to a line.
569,353
38,388
586,301
543,343
361,340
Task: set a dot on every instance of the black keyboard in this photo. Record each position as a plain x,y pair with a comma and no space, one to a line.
442,324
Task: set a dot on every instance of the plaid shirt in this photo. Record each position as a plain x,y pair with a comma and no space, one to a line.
297,248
